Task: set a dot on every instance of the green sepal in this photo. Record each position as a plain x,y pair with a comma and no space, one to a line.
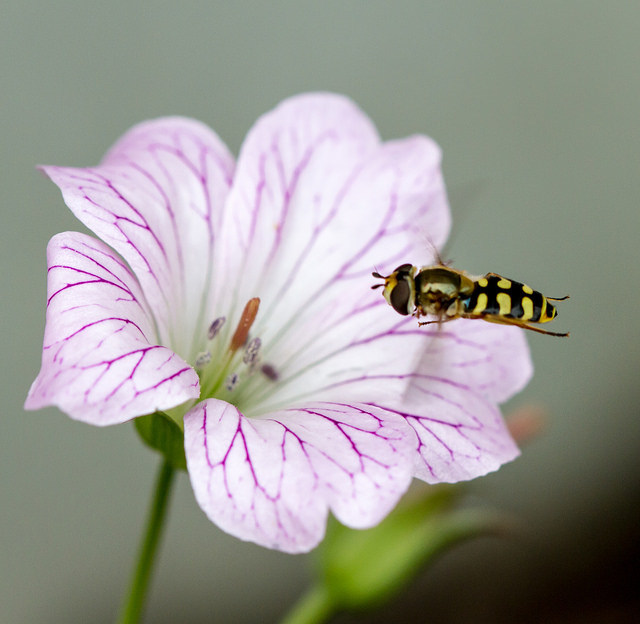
362,569
162,434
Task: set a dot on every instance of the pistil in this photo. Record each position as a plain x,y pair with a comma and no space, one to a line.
246,321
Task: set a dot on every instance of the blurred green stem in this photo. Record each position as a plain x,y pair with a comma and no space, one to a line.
134,604
314,606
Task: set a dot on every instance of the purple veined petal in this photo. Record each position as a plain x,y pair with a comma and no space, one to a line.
101,362
492,359
467,369
273,480
318,204
318,200
462,435
157,198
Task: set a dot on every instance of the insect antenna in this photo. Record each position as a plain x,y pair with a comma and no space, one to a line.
376,274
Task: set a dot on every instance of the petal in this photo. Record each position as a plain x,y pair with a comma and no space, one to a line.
492,359
272,480
100,362
317,204
451,403
157,198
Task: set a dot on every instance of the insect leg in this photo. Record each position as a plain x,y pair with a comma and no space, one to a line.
502,320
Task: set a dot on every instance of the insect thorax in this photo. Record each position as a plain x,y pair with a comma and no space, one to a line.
439,291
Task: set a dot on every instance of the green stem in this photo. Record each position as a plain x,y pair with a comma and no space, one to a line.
132,607
314,606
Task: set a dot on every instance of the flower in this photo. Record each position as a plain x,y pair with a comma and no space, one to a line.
237,299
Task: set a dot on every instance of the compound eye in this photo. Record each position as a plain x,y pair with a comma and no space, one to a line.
399,297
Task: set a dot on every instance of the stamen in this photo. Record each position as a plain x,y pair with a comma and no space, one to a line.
251,352
202,359
231,381
246,321
270,372
215,327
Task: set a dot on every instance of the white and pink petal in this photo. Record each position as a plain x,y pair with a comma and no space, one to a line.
452,400
273,480
318,202
492,359
157,198
101,362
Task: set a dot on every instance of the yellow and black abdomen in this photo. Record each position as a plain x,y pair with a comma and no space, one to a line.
497,297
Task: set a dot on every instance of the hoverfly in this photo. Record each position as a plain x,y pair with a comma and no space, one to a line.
449,294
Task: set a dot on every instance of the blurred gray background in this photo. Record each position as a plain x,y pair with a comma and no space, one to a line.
537,108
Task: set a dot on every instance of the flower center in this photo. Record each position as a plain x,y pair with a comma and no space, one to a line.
229,373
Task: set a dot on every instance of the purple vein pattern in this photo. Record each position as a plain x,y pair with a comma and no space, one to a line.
101,361
358,400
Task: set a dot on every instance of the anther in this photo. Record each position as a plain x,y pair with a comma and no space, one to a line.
251,352
215,327
270,372
231,381
246,321
202,359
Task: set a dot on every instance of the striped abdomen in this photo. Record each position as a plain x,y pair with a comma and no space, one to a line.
494,295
